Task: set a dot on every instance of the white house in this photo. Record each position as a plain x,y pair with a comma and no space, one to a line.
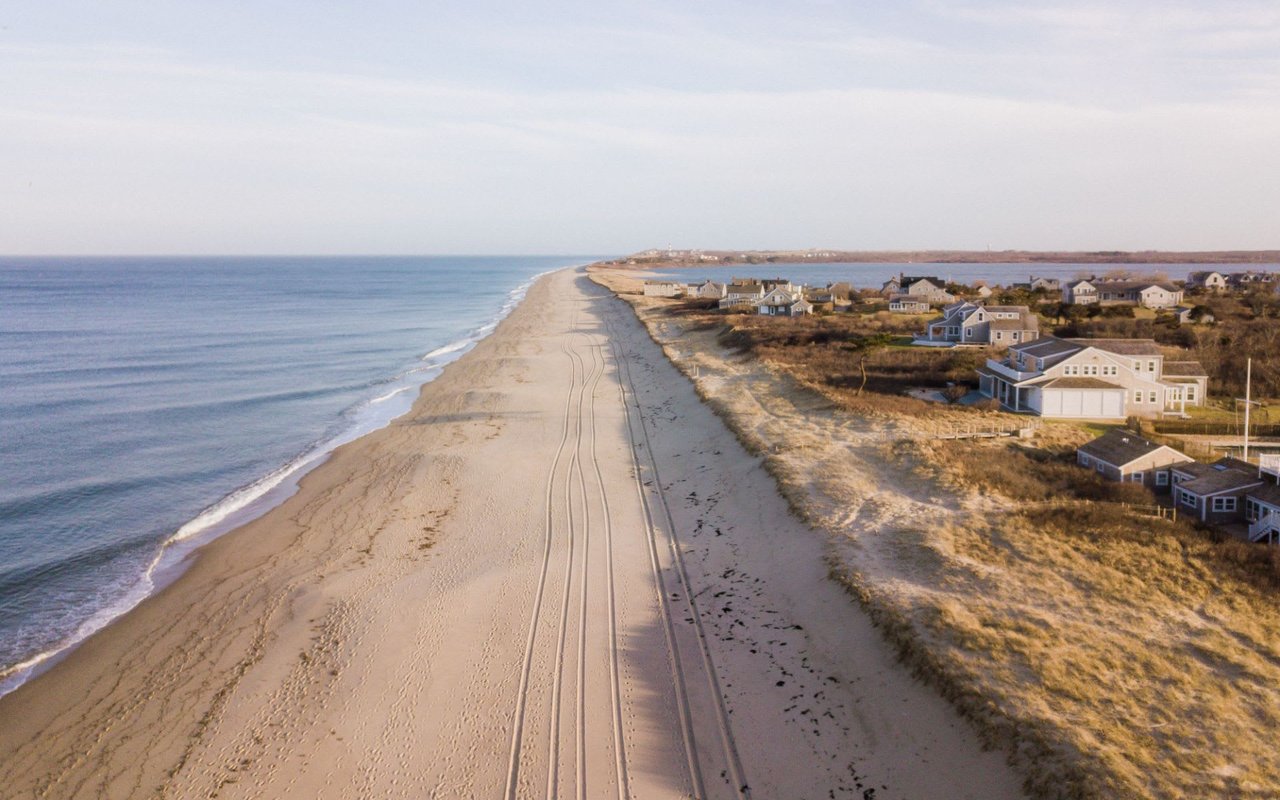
1148,294
664,289
1092,379
1213,281
783,303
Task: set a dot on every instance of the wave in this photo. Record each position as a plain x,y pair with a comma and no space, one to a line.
255,499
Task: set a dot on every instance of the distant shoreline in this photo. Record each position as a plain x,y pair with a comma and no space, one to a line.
703,258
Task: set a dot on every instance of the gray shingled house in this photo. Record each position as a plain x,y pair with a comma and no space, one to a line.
1122,455
1215,492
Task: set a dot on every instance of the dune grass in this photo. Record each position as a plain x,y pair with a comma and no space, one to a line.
1112,654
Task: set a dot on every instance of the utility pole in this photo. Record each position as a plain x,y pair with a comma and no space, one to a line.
1248,380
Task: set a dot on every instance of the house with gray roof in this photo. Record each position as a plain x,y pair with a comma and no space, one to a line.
1091,379
1148,294
1214,492
931,289
973,323
1211,280
1121,455
1262,512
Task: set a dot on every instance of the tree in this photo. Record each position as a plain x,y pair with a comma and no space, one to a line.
865,346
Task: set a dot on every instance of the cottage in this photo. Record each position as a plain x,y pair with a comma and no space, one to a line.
783,303
664,289
1262,512
909,304
930,289
1214,492
972,323
1242,280
742,293
833,294
1147,294
1039,283
1080,293
1211,281
1092,379
1121,455
710,290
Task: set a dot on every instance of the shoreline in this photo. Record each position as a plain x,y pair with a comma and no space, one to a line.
244,504
367,636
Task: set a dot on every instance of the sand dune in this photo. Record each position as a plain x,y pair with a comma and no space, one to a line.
558,576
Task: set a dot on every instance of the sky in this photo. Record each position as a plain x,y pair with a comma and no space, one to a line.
386,127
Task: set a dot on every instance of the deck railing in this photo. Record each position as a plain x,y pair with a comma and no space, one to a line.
1270,464
1270,521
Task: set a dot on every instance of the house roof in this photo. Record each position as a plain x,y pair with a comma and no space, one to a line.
1125,286
908,298
1025,323
1184,369
1124,347
1074,383
1046,346
1120,447
1224,475
1267,493
907,280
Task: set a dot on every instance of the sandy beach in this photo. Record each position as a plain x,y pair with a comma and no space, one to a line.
559,575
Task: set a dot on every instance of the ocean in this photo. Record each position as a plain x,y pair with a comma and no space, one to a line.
149,404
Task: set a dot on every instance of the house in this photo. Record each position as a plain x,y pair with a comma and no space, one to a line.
1214,492
1080,293
1241,280
742,293
972,323
832,294
1262,512
1148,294
1092,379
1211,281
909,304
932,290
1121,455
981,289
664,289
1041,284
709,290
784,303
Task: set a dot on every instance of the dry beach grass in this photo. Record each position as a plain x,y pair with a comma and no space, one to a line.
1111,654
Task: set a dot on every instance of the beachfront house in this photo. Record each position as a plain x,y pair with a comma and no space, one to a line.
664,289
1121,455
710,290
909,304
1211,281
1092,379
784,303
931,289
1039,283
973,323
1262,513
1215,492
742,294
1080,293
1148,294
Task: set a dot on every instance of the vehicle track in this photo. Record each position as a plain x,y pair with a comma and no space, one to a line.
620,760
741,788
517,727
668,627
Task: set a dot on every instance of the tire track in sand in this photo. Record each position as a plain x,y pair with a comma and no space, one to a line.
668,627
517,727
733,762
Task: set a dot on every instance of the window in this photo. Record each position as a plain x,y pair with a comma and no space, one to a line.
1187,498
1151,366
1136,478
1224,504
1151,397
999,335
1071,370
1100,466
1091,369
1162,478
1084,459
1189,392
968,333
1137,396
